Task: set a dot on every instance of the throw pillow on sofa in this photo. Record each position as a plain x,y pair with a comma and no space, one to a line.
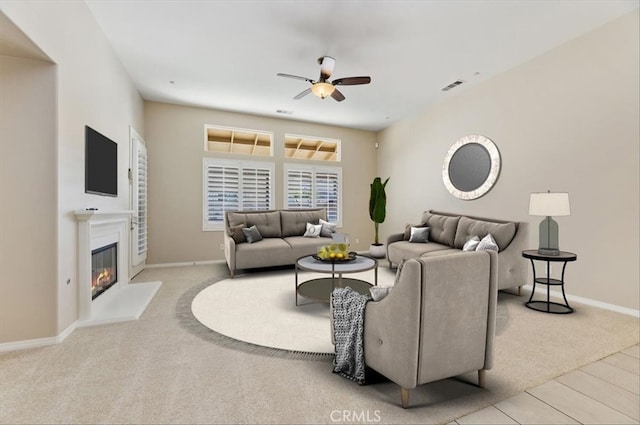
313,230
237,234
407,230
327,228
419,235
379,292
502,233
471,244
487,244
252,234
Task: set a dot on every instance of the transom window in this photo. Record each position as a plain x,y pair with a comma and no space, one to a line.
312,148
314,187
230,185
236,140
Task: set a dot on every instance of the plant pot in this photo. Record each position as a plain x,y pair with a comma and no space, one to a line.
377,250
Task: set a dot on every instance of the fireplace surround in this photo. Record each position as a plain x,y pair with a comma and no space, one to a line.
116,300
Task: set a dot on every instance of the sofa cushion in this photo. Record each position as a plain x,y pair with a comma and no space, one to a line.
443,228
503,233
306,246
294,223
403,250
236,233
268,222
445,251
265,253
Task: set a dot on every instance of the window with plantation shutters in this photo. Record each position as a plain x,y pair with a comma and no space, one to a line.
327,193
231,185
314,187
299,189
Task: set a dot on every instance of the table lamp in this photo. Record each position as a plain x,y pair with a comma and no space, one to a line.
549,204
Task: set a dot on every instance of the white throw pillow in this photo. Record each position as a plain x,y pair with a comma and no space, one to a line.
487,244
471,244
379,292
313,230
327,228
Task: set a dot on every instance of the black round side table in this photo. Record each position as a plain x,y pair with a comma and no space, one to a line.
549,306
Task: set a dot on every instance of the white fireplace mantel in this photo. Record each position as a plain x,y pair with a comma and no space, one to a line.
95,214
122,301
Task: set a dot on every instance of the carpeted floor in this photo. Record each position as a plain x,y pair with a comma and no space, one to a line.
168,368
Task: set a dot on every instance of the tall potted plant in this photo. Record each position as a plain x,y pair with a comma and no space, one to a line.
377,213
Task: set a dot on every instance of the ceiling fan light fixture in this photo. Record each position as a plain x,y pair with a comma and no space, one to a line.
326,66
322,90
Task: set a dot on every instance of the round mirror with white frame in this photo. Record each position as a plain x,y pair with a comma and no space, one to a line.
471,167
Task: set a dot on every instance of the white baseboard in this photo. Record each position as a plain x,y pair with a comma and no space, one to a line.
38,342
186,263
541,290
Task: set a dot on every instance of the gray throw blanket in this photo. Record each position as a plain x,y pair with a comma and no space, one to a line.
348,333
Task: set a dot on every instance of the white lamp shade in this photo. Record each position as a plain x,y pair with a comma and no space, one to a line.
549,204
326,65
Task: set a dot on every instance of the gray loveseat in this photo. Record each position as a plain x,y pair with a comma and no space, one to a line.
282,232
448,234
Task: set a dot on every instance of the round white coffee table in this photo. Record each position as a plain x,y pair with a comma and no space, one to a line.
320,289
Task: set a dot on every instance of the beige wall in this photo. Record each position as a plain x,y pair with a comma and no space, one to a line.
175,146
565,121
92,89
27,199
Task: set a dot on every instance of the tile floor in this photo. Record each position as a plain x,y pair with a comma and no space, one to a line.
604,392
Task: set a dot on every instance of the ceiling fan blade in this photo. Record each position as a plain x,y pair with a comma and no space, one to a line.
303,94
337,95
297,77
351,81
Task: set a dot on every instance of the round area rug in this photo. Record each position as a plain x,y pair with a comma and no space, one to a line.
260,309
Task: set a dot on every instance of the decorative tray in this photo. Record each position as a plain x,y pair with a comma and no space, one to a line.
351,257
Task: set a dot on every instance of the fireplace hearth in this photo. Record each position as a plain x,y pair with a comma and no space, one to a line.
104,269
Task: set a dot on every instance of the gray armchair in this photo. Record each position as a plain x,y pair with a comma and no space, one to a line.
437,322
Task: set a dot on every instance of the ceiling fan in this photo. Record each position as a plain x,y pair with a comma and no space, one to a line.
323,87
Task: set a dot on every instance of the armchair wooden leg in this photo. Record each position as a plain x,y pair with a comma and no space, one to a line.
482,378
519,290
404,395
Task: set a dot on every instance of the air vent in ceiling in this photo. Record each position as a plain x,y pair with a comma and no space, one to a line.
452,85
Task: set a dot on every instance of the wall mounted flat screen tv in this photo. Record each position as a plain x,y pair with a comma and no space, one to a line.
101,164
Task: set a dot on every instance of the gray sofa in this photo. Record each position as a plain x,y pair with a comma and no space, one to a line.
282,232
448,234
